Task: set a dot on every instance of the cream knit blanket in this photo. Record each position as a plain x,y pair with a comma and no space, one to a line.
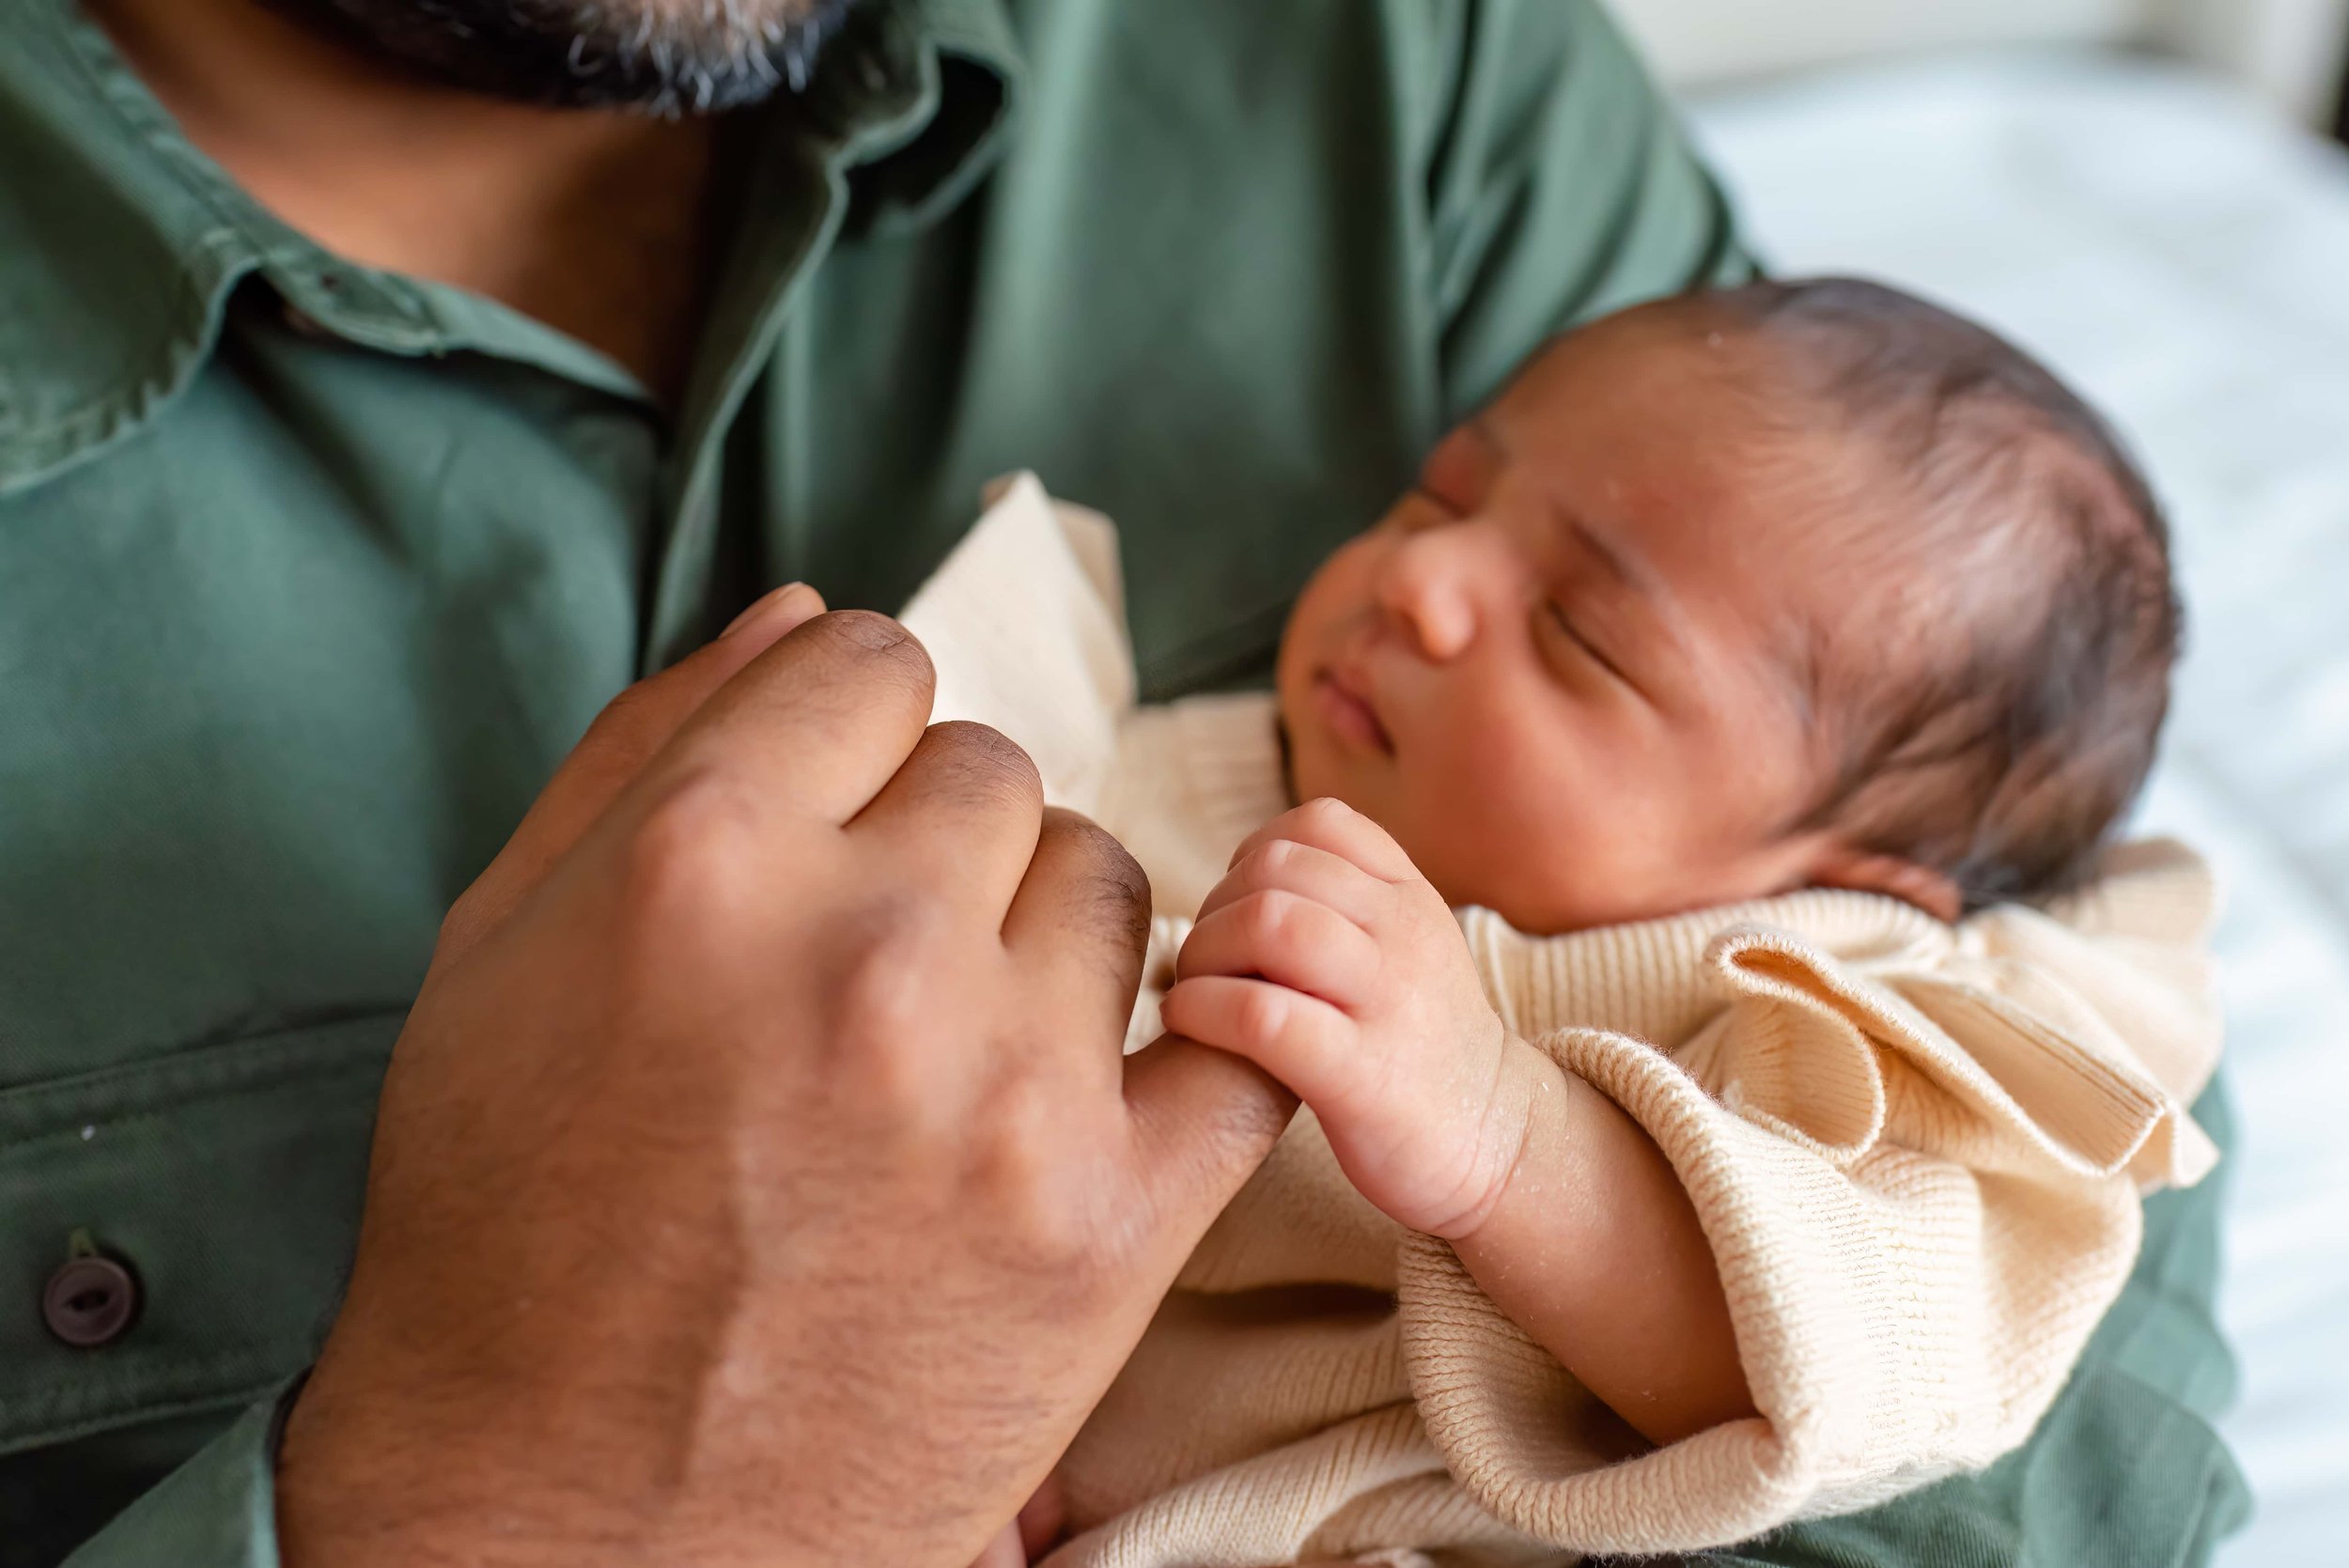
1917,1151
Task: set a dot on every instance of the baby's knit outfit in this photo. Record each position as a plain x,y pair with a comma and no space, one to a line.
1917,1151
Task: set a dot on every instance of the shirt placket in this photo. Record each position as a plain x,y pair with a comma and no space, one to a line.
876,88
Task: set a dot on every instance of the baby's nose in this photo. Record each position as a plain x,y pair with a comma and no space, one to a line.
1426,592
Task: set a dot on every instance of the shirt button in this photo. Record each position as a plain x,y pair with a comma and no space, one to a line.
90,1302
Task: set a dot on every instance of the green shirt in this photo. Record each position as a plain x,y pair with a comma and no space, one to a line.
310,574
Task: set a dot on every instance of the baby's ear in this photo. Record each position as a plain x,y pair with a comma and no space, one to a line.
1862,871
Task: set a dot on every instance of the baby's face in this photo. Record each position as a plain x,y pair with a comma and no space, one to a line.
1568,671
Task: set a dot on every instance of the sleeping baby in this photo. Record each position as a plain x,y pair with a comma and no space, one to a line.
1730,1056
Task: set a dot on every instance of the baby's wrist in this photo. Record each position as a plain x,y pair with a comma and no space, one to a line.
1519,1116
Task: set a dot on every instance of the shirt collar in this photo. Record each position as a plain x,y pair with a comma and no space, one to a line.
120,242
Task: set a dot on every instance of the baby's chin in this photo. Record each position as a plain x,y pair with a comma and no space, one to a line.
1545,912
1312,775
1561,910
1539,900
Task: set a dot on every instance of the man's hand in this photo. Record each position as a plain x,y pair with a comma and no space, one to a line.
756,1179
1326,958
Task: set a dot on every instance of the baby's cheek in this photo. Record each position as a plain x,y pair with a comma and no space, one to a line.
1504,816
1340,590
1456,820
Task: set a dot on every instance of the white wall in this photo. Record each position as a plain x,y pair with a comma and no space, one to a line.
2289,51
1695,42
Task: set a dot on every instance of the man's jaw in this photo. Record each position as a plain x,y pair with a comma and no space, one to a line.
654,56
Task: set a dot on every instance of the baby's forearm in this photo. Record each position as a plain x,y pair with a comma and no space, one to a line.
1593,1250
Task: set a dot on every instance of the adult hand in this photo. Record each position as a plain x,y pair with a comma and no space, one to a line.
757,1179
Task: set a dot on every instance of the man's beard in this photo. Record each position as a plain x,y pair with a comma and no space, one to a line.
659,57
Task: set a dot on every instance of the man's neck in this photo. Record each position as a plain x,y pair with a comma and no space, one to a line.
593,222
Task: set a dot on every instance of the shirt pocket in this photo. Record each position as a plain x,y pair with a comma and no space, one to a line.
223,1183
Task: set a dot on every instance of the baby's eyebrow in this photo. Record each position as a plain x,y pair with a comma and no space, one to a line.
1630,570
1633,574
1636,575
1487,454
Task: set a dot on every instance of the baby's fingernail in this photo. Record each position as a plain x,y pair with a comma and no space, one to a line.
791,603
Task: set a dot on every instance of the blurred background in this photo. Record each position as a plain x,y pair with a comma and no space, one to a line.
2152,195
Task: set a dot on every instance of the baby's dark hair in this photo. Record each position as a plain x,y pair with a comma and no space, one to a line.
2014,732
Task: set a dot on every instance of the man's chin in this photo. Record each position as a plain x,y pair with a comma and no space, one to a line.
655,56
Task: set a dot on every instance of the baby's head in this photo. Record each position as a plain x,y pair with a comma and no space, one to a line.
1794,584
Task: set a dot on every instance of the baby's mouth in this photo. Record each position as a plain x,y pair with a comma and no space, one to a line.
1343,700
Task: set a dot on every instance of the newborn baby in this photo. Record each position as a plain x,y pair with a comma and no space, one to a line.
1784,586
1708,1170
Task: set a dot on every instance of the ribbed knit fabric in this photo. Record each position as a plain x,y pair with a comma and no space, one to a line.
1916,1149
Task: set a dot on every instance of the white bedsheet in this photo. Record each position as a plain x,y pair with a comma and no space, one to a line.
2184,259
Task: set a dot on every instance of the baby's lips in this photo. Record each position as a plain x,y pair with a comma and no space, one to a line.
1349,709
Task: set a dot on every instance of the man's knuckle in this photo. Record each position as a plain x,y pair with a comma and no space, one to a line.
1055,1236
876,641
1088,837
627,711
1121,909
1117,882
984,763
1019,1151
1041,1213
691,845
887,998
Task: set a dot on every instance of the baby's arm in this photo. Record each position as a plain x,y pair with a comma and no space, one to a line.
1593,1250
1326,958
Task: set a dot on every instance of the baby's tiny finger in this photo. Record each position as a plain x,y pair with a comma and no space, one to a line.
1290,941
1338,828
1310,872
1301,1040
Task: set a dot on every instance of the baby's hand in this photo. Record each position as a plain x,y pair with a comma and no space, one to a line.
1326,959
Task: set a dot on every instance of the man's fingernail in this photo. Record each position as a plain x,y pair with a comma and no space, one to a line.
795,599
